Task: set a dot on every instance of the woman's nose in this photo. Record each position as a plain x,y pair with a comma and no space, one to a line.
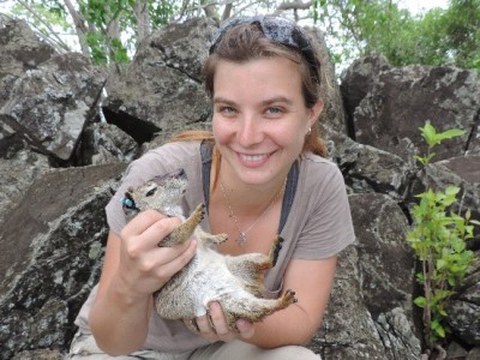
250,131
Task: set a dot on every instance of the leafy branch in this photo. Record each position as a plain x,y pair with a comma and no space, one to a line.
438,237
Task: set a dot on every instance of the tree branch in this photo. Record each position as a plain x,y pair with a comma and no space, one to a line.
80,28
294,5
58,40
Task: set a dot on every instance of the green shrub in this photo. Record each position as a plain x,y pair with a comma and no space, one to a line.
438,237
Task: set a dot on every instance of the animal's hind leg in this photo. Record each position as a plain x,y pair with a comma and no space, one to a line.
275,250
186,229
255,262
256,309
251,267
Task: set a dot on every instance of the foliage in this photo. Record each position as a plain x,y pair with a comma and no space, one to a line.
438,237
433,138
450,36
107,30
110,30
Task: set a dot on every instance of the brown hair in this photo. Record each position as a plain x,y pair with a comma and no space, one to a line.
247,42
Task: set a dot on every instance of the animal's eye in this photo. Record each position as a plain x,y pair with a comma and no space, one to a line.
151,192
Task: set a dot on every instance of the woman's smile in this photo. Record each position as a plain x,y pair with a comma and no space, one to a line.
254,160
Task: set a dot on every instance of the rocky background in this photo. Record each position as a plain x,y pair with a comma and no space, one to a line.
68,129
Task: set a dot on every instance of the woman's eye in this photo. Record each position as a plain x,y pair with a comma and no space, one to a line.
226,110
275,111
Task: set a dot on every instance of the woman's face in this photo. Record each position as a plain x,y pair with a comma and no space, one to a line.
259,118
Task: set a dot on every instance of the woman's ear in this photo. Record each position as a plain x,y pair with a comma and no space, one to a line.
315,112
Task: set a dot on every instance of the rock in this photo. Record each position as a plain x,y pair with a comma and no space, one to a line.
473,354
348,330
456,351
39,355
464,172
51,256
464,308
161,92
21,51
403,99
386,262
332,117
398,335
104,143
51,104
368,169
17,173
357,81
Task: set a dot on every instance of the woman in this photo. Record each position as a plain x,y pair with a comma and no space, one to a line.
260,173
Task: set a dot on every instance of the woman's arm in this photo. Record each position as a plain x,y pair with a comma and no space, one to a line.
134,268
312,281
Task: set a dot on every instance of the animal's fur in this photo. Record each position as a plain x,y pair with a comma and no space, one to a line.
236,282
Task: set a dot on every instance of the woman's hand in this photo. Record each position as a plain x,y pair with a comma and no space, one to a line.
144,267
134,268
220,331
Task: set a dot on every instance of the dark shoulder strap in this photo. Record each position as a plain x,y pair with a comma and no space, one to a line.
206,149
290,190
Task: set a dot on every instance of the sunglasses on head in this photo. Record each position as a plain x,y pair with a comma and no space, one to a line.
277,30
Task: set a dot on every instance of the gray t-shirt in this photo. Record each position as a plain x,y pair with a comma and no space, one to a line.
315,221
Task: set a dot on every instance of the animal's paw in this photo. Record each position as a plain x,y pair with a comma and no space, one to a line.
277,246
221,238
289,297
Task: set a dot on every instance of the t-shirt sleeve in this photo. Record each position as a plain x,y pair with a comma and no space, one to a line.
328,227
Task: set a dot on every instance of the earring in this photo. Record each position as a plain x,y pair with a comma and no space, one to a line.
309,131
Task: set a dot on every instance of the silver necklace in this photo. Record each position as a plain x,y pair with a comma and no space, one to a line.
242,235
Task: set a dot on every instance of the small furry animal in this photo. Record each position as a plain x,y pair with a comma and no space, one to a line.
236,282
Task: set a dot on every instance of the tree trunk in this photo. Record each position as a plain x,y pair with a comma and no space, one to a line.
80,27
143,20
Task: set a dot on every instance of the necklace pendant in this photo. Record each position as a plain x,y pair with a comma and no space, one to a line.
242,238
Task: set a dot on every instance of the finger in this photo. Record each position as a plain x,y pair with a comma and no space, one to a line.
137,245
245,328
141,222
158,230
206,330
218,319
171,260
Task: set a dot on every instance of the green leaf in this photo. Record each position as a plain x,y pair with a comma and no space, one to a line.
450,134
441,263
420,301
438,328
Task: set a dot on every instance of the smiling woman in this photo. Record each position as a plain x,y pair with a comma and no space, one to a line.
261,173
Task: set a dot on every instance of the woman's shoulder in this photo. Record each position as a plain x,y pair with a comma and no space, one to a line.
318,164
320,175
176,149
170,154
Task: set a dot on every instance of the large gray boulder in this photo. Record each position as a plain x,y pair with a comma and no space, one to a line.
50,256
51,104
402,99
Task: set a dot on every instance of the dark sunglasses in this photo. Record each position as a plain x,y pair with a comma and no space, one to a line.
277,30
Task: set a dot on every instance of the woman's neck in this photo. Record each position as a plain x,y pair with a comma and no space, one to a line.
245,198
